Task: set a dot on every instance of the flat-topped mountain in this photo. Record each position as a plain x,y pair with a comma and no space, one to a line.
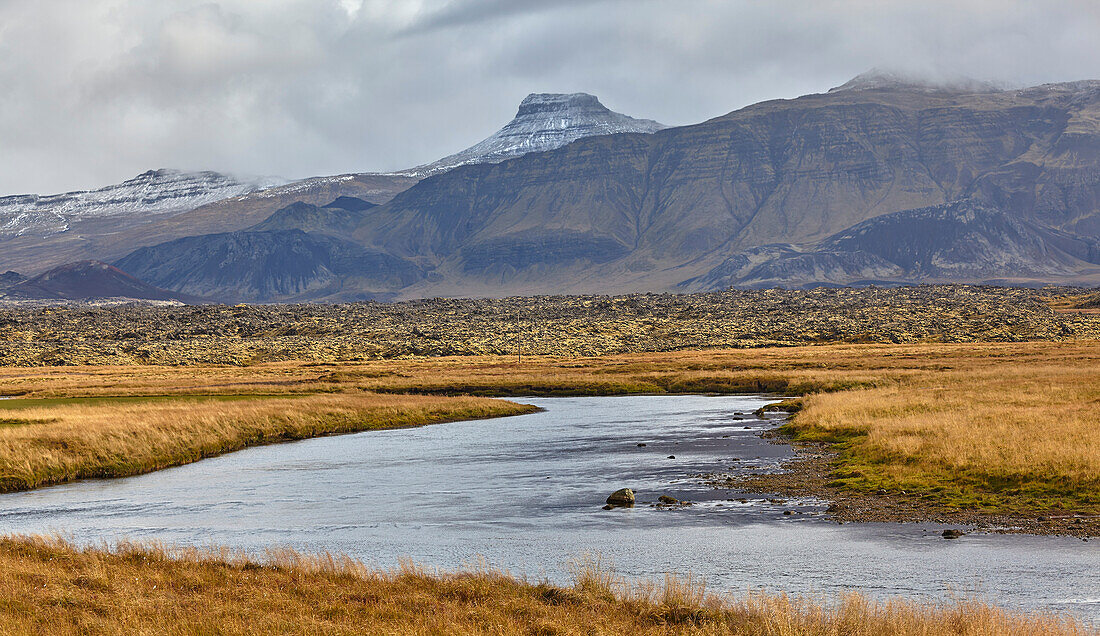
884,180
545,121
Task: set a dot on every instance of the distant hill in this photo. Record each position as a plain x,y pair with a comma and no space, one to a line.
269,265
86,280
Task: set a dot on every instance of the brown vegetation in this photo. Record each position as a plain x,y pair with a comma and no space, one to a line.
60,442
51,587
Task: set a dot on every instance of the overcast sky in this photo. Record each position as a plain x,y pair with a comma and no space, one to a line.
95,91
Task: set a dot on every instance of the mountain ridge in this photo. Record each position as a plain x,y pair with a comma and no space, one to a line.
543,121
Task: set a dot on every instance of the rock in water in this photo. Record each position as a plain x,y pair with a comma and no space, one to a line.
623,497
952,534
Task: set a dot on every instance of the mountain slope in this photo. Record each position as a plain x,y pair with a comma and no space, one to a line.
149,194
337,218
963,240
86,280
262,266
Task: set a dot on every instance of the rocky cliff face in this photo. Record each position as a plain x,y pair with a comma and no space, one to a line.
963,240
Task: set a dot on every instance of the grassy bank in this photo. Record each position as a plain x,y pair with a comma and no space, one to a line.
52,587
66,440
1007,437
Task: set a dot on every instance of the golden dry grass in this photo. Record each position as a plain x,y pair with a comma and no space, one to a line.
63,442
1003,437
50,587
1004,427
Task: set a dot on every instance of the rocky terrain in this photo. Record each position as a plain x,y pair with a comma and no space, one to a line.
33,335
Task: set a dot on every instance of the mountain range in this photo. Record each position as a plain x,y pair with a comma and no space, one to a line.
882,180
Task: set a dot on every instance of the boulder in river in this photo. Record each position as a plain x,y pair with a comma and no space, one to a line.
623,497
952,533
669,501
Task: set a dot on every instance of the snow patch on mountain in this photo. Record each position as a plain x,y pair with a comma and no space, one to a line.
152,193
545,121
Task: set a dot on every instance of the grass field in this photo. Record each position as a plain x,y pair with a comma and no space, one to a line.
51,587
998,427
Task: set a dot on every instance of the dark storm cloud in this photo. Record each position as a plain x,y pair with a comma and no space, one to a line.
95,91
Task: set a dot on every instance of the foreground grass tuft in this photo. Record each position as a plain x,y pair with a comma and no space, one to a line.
51,587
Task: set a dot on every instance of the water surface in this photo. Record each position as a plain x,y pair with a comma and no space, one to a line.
526,493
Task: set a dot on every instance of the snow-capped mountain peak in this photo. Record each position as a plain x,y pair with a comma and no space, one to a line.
152,193
544,121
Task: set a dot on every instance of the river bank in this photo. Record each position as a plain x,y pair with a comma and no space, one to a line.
53,587
810,473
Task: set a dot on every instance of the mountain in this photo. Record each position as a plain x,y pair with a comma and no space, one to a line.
275,261
150,194
9,278
545,121
86,280
633,212
39,232
164,205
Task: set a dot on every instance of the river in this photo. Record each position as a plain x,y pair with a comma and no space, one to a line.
525,494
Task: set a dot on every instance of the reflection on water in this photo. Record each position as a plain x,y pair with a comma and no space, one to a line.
526,493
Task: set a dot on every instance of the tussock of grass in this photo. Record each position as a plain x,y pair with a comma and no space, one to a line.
65,442
51,587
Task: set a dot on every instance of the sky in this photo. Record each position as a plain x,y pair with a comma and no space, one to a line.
93,92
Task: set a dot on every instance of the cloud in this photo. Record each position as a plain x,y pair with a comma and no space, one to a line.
465,12
96,91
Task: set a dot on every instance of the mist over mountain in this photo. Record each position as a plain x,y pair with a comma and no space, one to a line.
774,185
